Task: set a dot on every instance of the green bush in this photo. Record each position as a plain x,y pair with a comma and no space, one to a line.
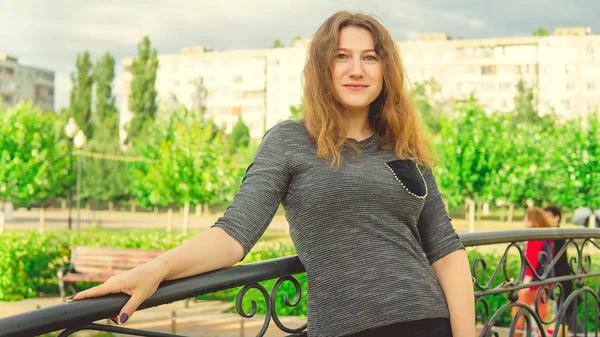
29,260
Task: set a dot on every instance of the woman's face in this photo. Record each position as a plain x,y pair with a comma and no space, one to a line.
357,70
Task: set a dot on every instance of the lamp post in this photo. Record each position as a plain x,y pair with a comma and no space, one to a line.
70,131
79,142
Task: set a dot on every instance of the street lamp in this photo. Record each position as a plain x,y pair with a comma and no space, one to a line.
79,142
71,130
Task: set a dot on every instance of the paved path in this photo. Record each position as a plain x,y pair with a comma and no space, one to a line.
58,219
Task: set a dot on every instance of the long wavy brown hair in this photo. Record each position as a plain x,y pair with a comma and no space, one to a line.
392,114
538,218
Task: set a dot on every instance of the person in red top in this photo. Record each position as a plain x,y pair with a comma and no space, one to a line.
535,218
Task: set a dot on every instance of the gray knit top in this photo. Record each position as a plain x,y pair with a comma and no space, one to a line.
366,232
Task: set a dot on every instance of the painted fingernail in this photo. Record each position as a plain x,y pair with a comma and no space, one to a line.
114,320
123,318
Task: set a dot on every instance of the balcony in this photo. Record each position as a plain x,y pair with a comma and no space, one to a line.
492,281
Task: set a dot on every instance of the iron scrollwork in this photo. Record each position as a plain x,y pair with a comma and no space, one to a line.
271,306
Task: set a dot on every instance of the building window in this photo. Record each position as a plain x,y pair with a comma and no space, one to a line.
518,69
488,70
570,86
591,85
488,52
427,58
590,50
505,86
570,69
488,86
446,57
532,68
238,79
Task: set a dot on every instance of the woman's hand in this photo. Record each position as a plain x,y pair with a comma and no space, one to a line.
140,283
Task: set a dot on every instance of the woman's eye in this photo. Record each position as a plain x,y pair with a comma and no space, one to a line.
370,58
342,56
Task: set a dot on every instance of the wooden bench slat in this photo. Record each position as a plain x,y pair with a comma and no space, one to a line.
98,264
73,277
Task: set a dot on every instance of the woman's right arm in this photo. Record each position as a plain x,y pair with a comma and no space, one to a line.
227,242
210,250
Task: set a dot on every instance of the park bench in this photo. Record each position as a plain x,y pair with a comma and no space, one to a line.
98,264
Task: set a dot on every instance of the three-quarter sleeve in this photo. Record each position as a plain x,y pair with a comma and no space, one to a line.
438,237
264,184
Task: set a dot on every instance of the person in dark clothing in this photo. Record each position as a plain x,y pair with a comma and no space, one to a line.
561,268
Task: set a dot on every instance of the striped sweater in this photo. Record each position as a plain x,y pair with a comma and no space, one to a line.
366,232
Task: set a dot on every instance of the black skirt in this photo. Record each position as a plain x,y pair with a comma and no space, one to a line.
431,327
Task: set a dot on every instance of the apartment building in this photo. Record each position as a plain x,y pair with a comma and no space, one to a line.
261,85
257,85
563,69
23,83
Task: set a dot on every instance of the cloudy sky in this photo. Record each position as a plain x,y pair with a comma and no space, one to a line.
49,34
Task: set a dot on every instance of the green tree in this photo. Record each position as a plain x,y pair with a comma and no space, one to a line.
142,101
575,157
81,94
239,136
33,159
192,165
107,115
102,178
471,152
422,94
105,178
297,111
540,31
525,104
277,44
295,39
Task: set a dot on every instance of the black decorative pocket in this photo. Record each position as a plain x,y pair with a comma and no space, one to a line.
409,176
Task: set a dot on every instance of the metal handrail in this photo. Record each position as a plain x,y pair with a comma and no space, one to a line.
78,313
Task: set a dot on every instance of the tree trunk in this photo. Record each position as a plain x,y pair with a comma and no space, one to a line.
467,205
88,205
2,217
198,210
206,210
511,210
63,204
156,210
132,205
479,210
502,213
471,216
42,219
486,208
110,206
170,220
186,213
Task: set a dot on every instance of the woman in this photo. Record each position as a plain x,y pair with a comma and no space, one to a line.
535,218
365,214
